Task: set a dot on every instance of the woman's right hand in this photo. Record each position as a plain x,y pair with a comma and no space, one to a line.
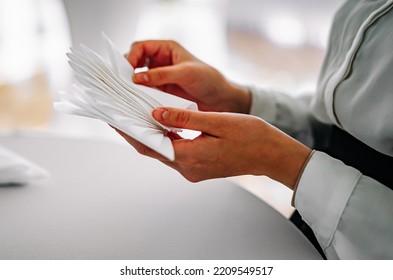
176,71
229,145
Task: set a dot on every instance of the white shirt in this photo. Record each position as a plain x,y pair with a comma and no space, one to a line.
351,214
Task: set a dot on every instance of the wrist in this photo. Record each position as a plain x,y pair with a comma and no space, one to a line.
292,164
239,99
279,156
299,176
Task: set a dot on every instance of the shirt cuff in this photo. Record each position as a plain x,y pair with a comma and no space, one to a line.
263,104
298,179
323,191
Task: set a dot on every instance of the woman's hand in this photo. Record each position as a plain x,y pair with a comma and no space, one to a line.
174,70
230,144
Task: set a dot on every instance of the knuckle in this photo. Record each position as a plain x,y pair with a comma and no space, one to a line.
136,44
160,75
190,171
193,178
191,68
188,164
174,43
182,118
141,149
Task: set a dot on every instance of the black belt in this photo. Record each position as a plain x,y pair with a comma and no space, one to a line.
343,146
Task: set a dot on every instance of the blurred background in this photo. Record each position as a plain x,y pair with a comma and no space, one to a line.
268,43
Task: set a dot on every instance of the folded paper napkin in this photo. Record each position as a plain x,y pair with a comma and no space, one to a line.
104,90
14,169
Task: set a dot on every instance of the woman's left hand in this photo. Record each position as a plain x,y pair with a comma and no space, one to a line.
229,145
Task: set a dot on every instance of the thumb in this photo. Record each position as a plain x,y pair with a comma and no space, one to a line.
194,120
161,75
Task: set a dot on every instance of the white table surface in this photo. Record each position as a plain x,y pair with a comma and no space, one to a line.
105,201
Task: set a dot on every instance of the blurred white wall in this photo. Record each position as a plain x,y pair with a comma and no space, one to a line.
286,22
200,26
34,36
117,18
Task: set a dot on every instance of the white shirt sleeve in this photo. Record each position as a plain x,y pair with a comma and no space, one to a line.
350,214
291,115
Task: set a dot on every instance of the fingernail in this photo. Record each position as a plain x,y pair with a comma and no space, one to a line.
160,114
141,78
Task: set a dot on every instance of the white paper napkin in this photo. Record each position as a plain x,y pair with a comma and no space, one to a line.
14,169
104,90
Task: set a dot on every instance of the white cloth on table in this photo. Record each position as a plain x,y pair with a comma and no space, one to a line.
15,169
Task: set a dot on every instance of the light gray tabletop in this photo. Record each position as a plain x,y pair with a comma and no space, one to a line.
105,201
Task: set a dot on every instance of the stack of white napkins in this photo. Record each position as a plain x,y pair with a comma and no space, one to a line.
104,90
15,169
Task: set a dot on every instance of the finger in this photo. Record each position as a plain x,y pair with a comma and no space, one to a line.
173,135
173,74
135,55
142,149
210,123
160,53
